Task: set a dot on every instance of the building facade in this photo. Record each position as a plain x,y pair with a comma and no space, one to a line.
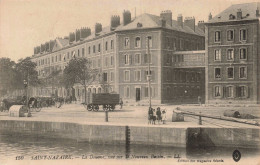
119,51
232,56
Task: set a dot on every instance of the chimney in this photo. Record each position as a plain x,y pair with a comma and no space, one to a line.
210,16
42,48
126,17
71,37
163,22
85,32
38,48
201,25
257,12
167,16
98,28
47,46
190,22
114,22
239,14
77,35
51,45
66,37
180,20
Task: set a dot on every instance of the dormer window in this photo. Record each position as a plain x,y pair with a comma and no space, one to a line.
231,16
139,24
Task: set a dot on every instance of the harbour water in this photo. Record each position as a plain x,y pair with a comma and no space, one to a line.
14,147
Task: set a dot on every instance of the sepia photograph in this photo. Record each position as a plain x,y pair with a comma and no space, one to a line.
129,82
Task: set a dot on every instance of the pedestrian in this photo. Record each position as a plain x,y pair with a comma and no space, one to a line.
164,116
199,100
158,114
154,116
150,115
121,103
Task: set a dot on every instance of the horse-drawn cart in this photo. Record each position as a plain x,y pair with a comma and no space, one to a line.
107,100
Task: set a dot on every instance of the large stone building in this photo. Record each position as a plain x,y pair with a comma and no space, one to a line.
119,51
232,55
218,62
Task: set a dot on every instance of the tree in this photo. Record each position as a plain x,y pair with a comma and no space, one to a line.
27,71
8,76
79,71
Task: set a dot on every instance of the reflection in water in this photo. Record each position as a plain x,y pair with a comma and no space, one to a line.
27,146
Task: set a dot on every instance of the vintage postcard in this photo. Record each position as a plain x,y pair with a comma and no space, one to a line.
129,82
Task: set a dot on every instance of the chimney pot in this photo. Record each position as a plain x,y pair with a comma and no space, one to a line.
167,16
210,16
126,17
180,20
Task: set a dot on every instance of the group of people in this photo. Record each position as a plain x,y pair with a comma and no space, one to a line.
158,115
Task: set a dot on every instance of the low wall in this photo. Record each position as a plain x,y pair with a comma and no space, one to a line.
100,134
147,135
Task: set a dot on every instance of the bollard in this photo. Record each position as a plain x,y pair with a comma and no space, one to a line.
106,117
200,121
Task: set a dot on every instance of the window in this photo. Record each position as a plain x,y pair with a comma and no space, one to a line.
68,55
127,92
230,35
112,44
229,91
217,73
217,91
230,54
242,91
99,47
112,60
94,63
242,35
137,42
230,73
137,58
112,76
105,77
217,56
78,53
168,59
217,36
126,59
127,42
89,50
174,43
60,57
94,49
126,75
242,54
106,45
242,72
99,63
83,52
181,44
150,42
106,61
137,75
56,58
147,58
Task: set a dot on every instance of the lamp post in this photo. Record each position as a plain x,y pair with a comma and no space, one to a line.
149,72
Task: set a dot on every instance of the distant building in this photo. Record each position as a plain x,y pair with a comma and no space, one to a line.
233,55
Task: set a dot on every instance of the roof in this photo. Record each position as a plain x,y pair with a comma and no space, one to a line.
153,21
246,8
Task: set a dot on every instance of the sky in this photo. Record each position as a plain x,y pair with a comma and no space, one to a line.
25,24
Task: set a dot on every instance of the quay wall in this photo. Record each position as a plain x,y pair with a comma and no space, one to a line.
146,135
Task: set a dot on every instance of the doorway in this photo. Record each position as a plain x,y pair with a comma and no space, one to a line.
138,94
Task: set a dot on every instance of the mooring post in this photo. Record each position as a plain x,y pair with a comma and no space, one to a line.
200,121
106,116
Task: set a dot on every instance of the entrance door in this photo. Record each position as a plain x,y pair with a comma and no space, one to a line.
138,94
